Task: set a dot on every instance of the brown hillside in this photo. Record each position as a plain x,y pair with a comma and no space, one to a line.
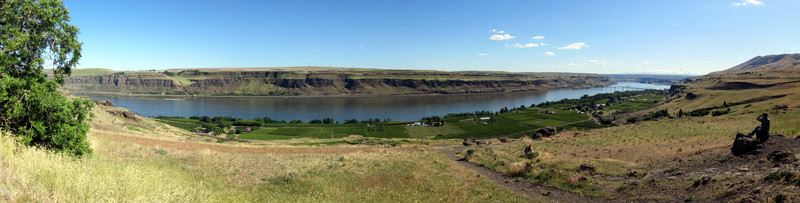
763,63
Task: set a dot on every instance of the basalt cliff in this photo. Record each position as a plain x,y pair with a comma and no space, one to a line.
314,81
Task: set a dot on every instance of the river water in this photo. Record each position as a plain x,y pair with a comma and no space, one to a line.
397,108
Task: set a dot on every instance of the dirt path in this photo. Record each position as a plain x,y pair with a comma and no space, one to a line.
519,186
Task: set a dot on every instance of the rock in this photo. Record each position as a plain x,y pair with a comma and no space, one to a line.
503,139
586,167
481,142
780,198
528,167
779,157
125,114
545,132
104,103
528,149
744,145
470,141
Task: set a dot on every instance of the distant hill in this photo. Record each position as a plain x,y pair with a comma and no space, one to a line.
764,63
309,81
648,78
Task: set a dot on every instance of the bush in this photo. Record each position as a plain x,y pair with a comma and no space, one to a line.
532,155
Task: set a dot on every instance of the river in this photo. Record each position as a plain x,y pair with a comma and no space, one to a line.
397,108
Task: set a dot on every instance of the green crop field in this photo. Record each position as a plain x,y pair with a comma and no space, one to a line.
186,124
513,122
265,134
386,131
426,132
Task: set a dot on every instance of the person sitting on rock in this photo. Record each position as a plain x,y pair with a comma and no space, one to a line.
762,131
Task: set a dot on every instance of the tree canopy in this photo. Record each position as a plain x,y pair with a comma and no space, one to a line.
34,36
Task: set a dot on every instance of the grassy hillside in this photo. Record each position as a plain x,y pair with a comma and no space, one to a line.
156,163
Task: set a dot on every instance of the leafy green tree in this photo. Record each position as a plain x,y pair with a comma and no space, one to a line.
35,35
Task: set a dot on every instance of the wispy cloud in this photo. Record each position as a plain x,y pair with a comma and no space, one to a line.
482,54
494,30
502,37
579,66
598,62
748,2
518,45
578,45
549,53
537,37
501,32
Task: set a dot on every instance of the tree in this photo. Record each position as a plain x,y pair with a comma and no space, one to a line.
34,34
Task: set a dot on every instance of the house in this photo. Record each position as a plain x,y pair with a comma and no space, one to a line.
248,129
486,118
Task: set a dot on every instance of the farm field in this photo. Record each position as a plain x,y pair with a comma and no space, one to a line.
515,122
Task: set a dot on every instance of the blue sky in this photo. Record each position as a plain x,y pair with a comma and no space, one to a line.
621,36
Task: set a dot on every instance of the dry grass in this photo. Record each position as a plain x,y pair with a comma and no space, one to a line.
121,171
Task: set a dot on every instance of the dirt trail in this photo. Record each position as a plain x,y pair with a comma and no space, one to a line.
182,145
520,186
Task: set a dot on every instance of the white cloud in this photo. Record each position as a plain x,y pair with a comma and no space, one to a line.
518,45
748,2
538,37
482,54
501,37
549,53
599,62
543,44
579,66
494,30
578,45
501,32
645,62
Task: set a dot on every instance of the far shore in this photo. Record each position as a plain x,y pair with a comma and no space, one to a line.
317,96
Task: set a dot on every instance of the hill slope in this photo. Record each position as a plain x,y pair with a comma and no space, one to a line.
762,63
322,81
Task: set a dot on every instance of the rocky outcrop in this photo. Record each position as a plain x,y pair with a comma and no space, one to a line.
544,132
338,82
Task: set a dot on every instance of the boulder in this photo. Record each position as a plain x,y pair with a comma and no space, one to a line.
586,167
779,157
547,132
744,145
470,141
528,149
503,139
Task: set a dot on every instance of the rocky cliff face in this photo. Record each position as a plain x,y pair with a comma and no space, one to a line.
328,82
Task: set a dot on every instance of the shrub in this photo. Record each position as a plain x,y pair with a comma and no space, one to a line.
532,155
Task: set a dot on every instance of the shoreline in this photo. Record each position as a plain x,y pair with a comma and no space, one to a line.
318,96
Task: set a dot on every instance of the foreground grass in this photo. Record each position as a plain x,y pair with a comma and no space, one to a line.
122,172
647,147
